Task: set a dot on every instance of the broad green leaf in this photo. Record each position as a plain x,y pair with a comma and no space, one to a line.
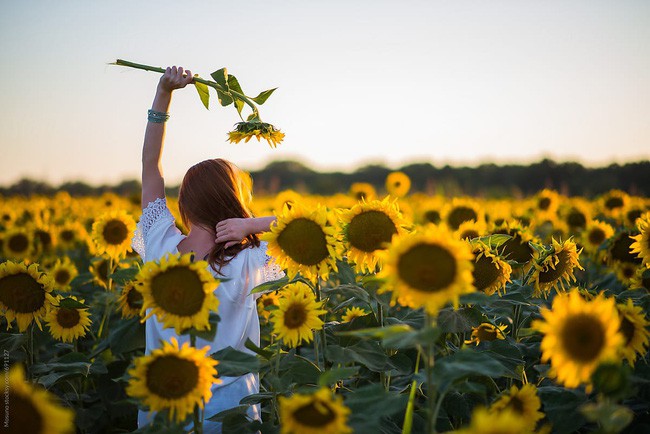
124,275
268,355
273,285
221,77
224,98
127,336
263,96
369,403
494,240
202,89
561,407
456,321
298,369
233,363
462,364
233,84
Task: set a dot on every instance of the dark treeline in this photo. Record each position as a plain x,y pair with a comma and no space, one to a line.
486,180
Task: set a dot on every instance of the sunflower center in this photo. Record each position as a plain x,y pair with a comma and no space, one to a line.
628,271
469,234
178,290
67,235
596,236
621,249
295,316
485,273
360,195
21,293
634,214
427,267
314,414
544,203
303,240
552,274
18,243
171,377
370,230
486,333
62,277
115,232
24,416
627,329
614,202
67,318
459,215
432,216
583,337
517,250
576,219
516,404
134,299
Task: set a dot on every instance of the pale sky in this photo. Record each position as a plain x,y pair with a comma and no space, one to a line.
392,82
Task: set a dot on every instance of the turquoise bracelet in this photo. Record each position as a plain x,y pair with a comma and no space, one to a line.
157,117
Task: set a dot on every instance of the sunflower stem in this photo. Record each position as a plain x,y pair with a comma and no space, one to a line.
30,350
410,406
321,334
431,394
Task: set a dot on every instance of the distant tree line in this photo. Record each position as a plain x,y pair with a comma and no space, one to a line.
486,180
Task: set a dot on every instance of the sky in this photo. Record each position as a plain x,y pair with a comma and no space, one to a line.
359,82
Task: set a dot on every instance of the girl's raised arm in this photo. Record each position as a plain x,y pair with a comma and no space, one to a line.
153,184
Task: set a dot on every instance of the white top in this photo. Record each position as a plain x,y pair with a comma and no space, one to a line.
157,235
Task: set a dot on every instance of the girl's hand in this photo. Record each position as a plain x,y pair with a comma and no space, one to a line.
232,231
175,78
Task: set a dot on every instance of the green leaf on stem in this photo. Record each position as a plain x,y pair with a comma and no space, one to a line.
233,363
234,85
221,77
202,89
263,96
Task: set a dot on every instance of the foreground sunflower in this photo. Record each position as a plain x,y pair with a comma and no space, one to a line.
302,241
25,294
368,229
353,312
491,273
297,315
63,272
523,402
634,328
557,268
317,413
486,332
67,323
112,233
398,184
179,292
428,269
505,421
33,409
578,336
174,379
130,301
260,130
641,244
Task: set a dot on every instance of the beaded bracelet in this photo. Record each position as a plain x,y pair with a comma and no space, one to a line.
157,117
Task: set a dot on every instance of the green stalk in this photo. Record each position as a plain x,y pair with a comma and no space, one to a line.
213,84
410,406
321,333
196,416
431,394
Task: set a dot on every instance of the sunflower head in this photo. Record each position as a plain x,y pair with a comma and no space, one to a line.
63,272
595,234
620,248
297,315
462,210
362,191
68,323
260,130
18,243
428,268
131,300
112,233
318,413
556,268
266,303
634,328
491,272
547,202
398,184
486,332
523,402
353,312
641,244
613,203
505,421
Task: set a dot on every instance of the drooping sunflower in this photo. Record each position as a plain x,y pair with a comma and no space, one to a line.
363,191
620,248
34,410
302,241
641,244
641,280
17,243
398,184
260,130
178,291
578,336
317,413
428,269
491,272
517,248
505,421
595,234
25,294
297,315
486,332
100,269
353,312
112,233
523,402
130,301
556,269
367,230
174,378
462,210
265,302
634,328
67,323
63,272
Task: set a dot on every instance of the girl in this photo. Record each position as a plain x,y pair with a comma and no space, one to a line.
212,200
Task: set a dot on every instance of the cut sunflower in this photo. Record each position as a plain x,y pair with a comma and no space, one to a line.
174,379
556,269
641,244
491,273
634,328
302,241
67,323
428,269
33,409
112,233
523,402
63,272
487,332
317,413
260,130
179,292
25,294
367,230
578,336
297,315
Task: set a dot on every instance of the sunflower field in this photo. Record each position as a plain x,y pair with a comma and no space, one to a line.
396,313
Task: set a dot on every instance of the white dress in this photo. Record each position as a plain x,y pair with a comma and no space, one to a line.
155,236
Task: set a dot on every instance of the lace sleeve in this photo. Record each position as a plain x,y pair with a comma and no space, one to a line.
271,270
150,215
